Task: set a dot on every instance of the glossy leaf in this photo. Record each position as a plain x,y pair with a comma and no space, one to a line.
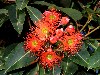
13,17
18,58
8,50
90,27
3,18
20,21
3,11
98,10
43,3
17,19
34,13
2,61
33,71
69,68
41,71
48,72
81,57
96,18
2,72
21,4
94,60
1,64
89,11
17,73
73,13
66,3
93,43
2,51
57,70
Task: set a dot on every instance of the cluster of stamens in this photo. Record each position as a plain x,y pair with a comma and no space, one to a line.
47,33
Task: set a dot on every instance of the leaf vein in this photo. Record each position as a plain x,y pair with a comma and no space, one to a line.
83,59
33,14
17,61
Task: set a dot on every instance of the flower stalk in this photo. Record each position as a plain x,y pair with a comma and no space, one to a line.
88,21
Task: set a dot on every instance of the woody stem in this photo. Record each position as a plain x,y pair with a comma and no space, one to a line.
92,31
88,21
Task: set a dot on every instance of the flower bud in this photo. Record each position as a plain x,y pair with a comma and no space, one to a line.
53,39
59,32
70,29
64,21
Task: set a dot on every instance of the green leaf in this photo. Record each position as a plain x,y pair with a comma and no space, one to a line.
3,18
93,43
96,18
8,50
2,72
34,13
46,4
57,70
81,57
98,10
48,72
17,73
12,14
2,51
17,19
89,11
90,27
69,68
73,13
94,60
1,66
2,63
43,3
18,58
41,71
66,3
21,4
34,70
3,11
20,21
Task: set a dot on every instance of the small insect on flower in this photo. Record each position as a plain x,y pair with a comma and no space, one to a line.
49,59
33,43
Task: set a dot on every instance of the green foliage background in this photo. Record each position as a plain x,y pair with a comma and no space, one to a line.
23,13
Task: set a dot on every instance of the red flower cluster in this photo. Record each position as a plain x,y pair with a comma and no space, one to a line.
71,40
33,43
51,16
48,32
